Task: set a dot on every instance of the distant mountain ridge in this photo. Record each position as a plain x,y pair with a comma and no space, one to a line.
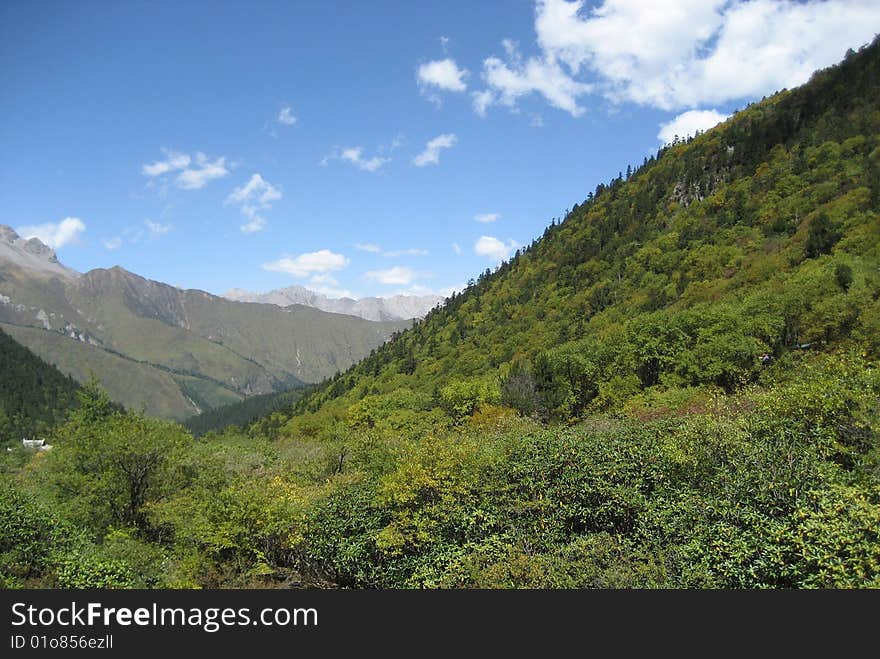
177,352
398,307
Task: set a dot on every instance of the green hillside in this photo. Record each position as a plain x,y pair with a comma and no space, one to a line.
242,413
761,235
176,352
675,386
34,396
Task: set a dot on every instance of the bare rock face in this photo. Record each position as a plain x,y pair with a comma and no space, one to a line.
31,255
7,234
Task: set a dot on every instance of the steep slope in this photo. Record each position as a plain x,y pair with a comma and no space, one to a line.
760,236
178,352
397,307
33,394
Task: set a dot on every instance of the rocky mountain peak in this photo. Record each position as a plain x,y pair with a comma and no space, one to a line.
7,234
37,247
31,254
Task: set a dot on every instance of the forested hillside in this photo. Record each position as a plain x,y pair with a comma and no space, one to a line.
759,236
34,396
675,386
242,413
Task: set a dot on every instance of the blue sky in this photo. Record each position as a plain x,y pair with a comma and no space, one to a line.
256,145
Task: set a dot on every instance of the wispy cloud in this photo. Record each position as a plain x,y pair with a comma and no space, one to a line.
368,247
456,248
55,234
156,229
405,252
254,196
286,116
486,218
192,173
431,153
112,243
354,155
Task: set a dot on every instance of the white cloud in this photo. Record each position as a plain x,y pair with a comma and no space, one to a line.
207,170
431,154
156,229
368,247
311,263
286,116
686,53
482,100
255,195
397,276
688,123
257,191
456,248
676,54
493,248
516,78
54,234
406,252
444,43
355,156
255,224
112,243
487,217
443,74
189,177
172,162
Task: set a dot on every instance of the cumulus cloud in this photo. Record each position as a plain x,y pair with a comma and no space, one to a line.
675,55
688,53
431,153
493,248
193,173
688,123
443,74
286,116
309,264
487,217
397,276
254,196
54,234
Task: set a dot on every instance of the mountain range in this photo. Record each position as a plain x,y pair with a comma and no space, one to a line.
397,307
175,352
